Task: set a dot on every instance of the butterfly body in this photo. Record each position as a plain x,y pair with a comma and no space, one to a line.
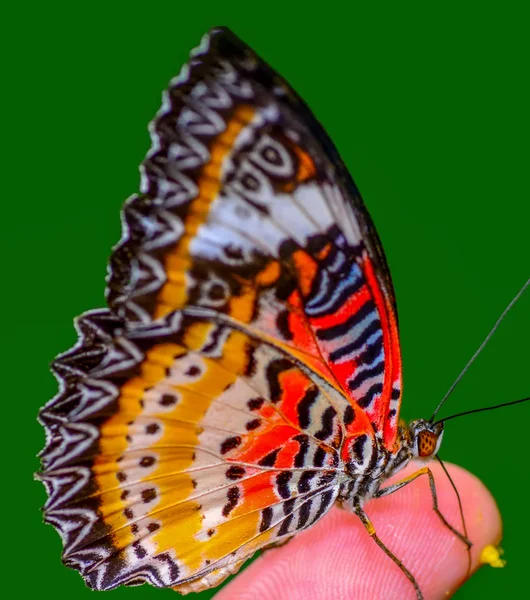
247,373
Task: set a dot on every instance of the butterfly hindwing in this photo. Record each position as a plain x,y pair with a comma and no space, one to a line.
196,450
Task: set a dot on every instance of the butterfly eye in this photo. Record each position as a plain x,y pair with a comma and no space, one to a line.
427,443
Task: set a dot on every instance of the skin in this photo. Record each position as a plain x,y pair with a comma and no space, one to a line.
337,560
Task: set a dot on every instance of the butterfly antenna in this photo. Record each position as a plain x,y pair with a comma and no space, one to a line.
484,408
481,347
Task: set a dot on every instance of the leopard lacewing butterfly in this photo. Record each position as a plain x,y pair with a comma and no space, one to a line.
246,375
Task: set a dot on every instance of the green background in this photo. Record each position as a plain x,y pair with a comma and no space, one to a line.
429,109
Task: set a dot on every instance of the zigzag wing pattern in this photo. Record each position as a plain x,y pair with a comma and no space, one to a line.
251,338
247,210
179,449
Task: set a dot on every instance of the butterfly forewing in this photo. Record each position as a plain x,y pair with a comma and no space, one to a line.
252,330
248,211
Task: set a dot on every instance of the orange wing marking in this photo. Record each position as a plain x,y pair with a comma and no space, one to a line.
173,294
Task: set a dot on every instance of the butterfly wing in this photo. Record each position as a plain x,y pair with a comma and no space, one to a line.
247,209
176,451
252,335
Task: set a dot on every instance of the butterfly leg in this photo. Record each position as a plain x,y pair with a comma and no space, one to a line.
371,530
425,471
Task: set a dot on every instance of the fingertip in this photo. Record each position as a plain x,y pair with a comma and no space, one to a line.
441,558
483,523
336,558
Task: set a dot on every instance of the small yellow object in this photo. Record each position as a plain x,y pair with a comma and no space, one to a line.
491,556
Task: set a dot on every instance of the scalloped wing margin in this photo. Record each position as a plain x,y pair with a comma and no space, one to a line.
151,480
247,207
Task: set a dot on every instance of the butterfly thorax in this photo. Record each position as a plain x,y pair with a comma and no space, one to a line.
371,464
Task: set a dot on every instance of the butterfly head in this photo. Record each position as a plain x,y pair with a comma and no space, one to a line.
425,438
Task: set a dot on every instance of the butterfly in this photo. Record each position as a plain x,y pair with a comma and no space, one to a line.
246,375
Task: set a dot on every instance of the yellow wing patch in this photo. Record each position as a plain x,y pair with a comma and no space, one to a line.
173,294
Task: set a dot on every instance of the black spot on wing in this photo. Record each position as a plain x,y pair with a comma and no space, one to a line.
304,407
328,417
282,323
269,459
319,457
282,484
253,424
358,447
266,519
255,403
304,513
235,472
168,400
300,457
288,506
139,550
148,495
374,390
274,370
286,524
396,394
230,443
304,484
325,500
232,497
316,243
349,415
